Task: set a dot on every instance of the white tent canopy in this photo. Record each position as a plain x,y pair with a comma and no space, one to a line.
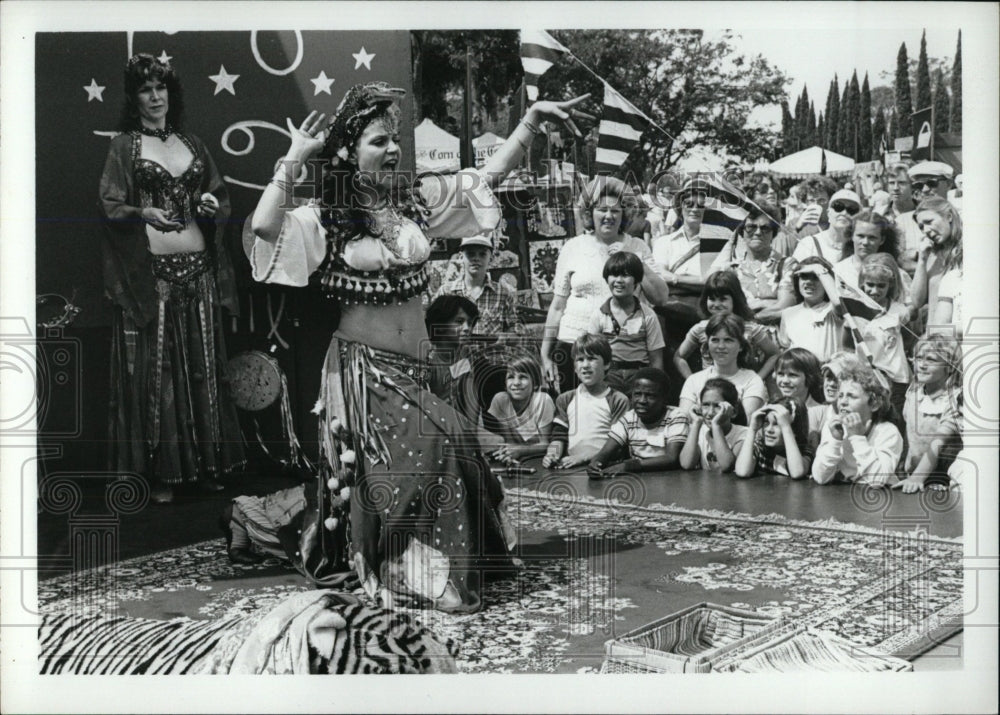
485,146
809,162
436,149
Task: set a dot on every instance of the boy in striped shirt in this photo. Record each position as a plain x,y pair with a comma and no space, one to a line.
584,415
652,432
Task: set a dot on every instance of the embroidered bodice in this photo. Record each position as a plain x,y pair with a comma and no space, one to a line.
380,268
158,188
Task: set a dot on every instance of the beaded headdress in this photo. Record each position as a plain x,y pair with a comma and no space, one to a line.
359,106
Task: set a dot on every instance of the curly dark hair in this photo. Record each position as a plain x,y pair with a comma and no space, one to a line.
886,228
344,214
140,69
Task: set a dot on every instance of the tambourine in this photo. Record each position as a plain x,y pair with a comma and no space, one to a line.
255,380
55,311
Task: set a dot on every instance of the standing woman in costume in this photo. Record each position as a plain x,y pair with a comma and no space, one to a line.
166,270
424,508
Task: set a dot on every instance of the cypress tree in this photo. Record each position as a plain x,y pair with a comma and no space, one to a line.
802,119
901,124
787,123
811,127
892,127
924,98
941,103
865,123
820,131
878,131
832,114
854,119
843,133
955,125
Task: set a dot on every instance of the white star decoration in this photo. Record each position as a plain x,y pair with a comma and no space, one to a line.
164,57
322,83
94,91
362,58
224,81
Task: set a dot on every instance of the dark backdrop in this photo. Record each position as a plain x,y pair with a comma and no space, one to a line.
72,132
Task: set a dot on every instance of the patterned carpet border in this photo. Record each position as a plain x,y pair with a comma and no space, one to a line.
772,519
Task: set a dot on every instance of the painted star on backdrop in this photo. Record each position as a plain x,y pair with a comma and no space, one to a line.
322,83
94,91
224,81
164,57
362,58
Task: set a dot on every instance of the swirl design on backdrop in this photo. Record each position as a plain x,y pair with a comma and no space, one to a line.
127,495
59,494
299,51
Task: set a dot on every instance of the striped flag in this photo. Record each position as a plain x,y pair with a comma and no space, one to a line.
539,51
621,127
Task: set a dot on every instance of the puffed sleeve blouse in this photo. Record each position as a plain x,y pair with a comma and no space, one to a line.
455,206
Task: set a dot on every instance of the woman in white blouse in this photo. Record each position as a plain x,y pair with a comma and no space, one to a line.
579,284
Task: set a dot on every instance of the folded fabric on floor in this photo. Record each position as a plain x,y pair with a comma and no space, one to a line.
308,632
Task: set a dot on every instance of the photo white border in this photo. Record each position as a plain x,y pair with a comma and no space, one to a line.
970,690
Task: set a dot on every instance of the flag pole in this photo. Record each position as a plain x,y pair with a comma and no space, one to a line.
467,156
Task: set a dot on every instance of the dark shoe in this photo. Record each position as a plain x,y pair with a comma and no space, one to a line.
162,494
210,486
243,556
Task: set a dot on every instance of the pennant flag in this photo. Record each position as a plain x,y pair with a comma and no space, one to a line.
923,133
852,303
621,127
539,51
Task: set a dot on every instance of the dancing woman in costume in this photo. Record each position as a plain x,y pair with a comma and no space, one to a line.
425,512
168,274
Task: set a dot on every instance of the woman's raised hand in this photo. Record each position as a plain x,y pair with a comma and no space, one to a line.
307,138
560,111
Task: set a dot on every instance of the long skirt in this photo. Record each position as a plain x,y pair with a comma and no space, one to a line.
171,418
427,519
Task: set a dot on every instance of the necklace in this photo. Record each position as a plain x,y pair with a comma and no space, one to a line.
161,134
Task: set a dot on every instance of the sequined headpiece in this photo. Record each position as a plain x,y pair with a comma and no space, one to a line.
359,106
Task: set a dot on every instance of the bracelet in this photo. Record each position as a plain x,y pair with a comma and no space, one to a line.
533,128
282,184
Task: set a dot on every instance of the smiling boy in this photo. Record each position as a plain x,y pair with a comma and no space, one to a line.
652,432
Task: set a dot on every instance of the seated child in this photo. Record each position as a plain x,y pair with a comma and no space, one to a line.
813,323
840,362
730,351
777,441
723,293
449,320
859,443
584,415
522,414
713,440
798,376
631,327
933,413
651,434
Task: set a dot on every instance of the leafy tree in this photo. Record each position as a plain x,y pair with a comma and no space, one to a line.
904,107
883,98
438,66
942,106
865,123
700,90
924,99
955,125
879,130
832,114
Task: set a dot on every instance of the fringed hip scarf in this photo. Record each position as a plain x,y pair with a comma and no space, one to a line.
184,281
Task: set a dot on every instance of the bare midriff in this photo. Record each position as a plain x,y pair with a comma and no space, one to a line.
189,238
398,327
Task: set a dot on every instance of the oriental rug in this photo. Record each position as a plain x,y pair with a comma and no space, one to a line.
594,569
